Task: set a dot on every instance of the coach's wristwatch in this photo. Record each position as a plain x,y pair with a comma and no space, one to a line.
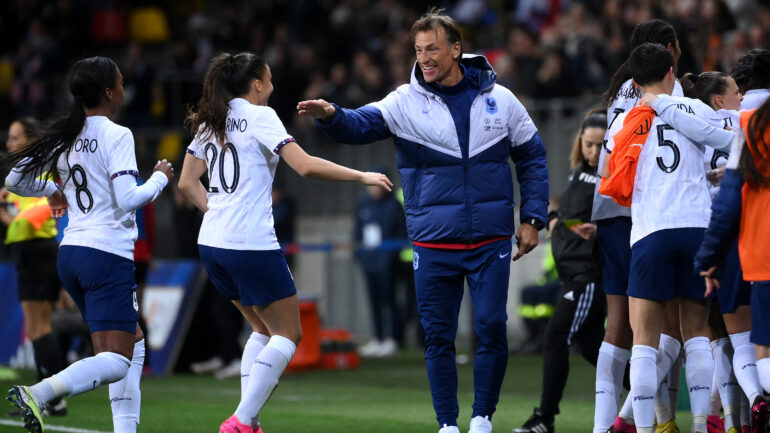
534,222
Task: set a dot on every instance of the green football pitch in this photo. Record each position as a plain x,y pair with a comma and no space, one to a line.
382,396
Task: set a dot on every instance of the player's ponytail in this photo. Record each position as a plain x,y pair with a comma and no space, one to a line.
753,70
228,76
88,80
704,86
754,163
653,31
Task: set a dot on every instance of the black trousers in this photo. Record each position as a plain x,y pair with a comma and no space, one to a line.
578,318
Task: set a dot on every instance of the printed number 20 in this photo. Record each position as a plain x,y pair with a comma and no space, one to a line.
662,142
231,187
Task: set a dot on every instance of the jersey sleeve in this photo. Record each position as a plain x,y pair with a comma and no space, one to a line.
196,148
270,132
735,152
122,156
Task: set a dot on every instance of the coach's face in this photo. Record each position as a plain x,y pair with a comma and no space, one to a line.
436,56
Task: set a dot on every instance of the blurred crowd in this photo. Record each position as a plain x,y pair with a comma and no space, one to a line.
350,51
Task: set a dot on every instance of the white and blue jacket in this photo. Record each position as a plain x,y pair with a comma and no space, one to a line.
454,168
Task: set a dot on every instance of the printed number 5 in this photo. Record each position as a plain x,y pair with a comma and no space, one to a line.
662,142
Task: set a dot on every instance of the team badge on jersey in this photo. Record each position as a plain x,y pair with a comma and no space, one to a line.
491,105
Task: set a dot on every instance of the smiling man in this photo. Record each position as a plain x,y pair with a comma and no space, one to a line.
455,130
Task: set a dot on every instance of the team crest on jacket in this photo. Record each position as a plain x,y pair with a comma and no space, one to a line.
491,105
416,260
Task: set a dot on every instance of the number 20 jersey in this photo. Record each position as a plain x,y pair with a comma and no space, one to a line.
240,173
670,188
103,151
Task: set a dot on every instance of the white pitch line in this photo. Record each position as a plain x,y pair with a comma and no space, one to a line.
50,427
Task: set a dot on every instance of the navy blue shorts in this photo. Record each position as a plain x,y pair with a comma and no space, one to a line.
760,305
102,285
614,237
662,265
251,277
733,291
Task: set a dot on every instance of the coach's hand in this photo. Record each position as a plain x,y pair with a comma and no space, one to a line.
527,240
711,282
317,108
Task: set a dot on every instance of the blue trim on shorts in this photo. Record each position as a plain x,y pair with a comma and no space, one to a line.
253,277
614,239
102,285
662,265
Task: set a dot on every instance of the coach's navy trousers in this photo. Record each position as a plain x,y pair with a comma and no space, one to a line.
439,275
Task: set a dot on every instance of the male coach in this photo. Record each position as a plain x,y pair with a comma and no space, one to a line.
454,130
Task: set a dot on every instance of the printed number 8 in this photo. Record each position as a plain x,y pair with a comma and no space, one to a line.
81,186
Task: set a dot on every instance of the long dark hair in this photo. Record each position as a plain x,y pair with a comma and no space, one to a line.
228,76
704,86
654,31
88,79
755,155
753,70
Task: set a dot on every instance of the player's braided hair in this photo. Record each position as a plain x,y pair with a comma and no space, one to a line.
88,80
654,31
228,76
755,155
753,70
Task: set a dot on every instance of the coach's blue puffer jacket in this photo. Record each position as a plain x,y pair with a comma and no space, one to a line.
457,180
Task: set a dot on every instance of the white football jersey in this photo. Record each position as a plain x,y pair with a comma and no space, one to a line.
627,98
752,99
713,158
103,151
240,173
670,186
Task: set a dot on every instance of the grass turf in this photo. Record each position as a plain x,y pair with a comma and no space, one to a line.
382,396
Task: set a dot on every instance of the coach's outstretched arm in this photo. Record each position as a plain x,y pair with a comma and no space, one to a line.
360,126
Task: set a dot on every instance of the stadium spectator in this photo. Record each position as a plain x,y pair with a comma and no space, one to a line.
454,131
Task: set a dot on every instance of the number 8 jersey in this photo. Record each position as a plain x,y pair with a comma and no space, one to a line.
102,152
240,174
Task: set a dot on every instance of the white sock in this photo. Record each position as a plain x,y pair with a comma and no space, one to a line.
673,382
763,368
745,365
265,372
716,400
699,371
668,351
254,345
726,383
125,396
745,412
627,410
610,367
82,376
644,383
